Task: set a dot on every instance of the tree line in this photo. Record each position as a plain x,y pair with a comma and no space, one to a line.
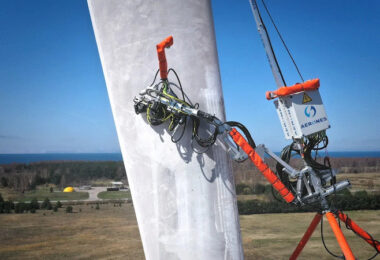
345,200
23,177
8,206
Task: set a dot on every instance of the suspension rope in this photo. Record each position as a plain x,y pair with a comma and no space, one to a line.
282,40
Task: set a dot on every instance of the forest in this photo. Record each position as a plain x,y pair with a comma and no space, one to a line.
23,177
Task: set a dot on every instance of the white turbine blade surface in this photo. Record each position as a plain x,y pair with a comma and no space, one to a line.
185,202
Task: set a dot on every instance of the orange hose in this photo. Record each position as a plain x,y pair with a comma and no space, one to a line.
262,166
340,237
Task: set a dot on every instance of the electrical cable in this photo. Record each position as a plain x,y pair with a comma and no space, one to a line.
276,197
286,155
203,142
270,44
244,130
282,40
182,133
179,82
157,113
155,77
183,98
312,144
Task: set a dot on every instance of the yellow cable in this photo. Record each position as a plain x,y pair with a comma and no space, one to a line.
163,120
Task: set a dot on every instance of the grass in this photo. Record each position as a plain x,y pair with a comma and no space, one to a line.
274,236
7,193
114,195
108,233
41,194
362,181
112,232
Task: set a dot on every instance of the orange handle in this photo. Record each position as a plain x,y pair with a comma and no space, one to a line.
285,91
262,166
161,56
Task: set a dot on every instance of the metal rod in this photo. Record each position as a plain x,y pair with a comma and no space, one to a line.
290,170
278,77
314,223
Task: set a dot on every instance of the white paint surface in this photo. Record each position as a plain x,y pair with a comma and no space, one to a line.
185,203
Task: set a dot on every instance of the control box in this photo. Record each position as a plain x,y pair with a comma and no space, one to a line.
302,114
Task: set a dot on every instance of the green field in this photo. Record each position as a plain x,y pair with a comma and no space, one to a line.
114,195
112,233
41,194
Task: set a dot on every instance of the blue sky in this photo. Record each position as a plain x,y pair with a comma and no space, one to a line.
53,96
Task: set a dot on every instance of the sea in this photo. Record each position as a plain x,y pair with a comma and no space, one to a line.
40,157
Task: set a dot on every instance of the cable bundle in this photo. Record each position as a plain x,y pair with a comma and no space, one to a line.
158,113
313,143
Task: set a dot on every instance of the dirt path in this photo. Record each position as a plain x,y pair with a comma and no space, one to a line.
93,193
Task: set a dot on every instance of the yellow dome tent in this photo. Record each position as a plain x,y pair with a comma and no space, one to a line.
68,189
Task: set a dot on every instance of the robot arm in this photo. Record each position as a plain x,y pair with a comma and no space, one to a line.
161,104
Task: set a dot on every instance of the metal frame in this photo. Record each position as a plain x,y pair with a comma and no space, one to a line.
337,232
331,217
309,182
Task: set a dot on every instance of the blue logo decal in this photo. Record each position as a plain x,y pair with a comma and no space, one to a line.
310,111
